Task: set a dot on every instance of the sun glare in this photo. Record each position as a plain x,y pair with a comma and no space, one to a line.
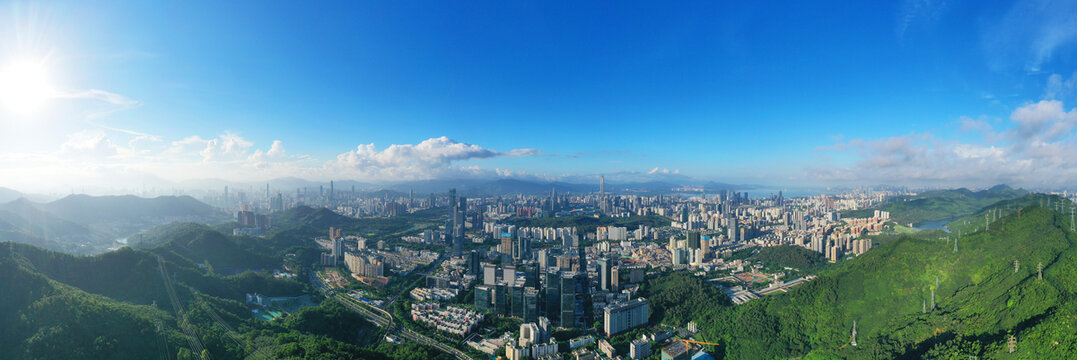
24,87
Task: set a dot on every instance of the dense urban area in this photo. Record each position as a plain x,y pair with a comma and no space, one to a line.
583,275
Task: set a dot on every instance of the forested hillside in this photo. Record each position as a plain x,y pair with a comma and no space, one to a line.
980,298
118,305
941,204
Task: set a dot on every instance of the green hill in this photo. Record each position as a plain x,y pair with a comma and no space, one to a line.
45,319
980,300
116,306
128,208
941,204
199,244
790,256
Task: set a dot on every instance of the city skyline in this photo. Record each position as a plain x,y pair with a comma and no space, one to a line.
919,93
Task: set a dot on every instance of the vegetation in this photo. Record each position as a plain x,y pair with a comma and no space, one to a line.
980,299
778,257
116,305
941,204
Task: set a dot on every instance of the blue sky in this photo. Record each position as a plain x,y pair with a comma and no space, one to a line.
776,92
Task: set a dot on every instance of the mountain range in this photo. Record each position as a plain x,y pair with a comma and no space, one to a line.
83,224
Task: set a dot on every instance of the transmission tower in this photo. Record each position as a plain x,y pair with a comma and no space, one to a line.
1016,265
955,245
1012,343
1039,269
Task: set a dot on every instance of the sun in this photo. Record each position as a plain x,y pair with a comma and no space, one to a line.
24,86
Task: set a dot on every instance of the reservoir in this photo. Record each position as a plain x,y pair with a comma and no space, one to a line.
934,225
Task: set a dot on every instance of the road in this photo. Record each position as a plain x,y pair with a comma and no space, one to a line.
382,318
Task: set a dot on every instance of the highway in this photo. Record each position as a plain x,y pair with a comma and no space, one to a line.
382,318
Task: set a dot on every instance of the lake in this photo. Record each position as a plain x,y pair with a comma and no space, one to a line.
934,225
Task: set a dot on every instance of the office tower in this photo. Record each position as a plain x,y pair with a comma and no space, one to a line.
551,285
553,201
489,275
543,260
693,240
530,306
523,248
459,209
516,300
226,196
509,274
507,244
567,317
732,229
483,298
604,274
615,278
454,224
602,186
473,265
623,316
330,189
574,291
501,299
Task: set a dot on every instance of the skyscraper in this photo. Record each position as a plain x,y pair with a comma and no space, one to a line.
602,185
693,240
604,274
473,266
551,284
732,229
457,230
574,292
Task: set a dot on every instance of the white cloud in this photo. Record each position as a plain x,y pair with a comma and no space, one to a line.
432,158
93,157
1034,149
657,170
227,146
1043,121
277,149
88,144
